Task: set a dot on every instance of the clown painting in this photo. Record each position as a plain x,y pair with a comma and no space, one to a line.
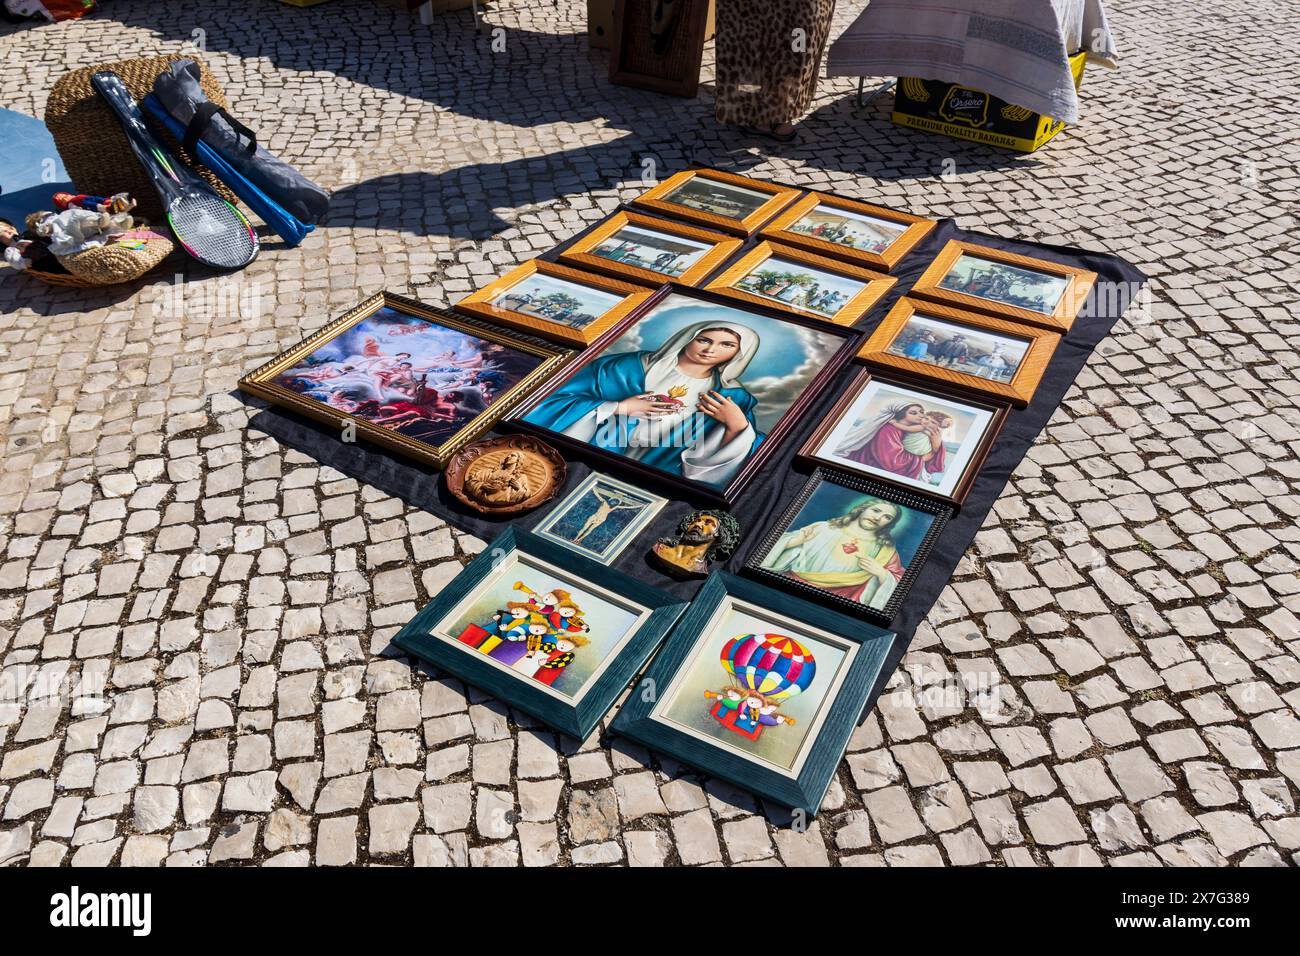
541,625
537,635
764,670
691,389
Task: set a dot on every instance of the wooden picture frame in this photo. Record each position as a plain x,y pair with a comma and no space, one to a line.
664,713
486,302
824,480
622,497
650,54
877,284
915,228
262,381
599,356
581,253
1018,389
661,198
1076,284
986,415
471,654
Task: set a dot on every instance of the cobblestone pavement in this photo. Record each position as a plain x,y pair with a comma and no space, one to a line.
194,620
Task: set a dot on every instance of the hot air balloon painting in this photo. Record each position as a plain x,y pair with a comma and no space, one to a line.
765,670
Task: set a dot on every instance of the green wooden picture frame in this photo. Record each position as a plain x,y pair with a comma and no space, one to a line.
805,788
576,717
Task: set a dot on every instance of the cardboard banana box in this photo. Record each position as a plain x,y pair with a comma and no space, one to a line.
954,110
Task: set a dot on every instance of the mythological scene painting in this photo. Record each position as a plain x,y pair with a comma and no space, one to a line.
409,374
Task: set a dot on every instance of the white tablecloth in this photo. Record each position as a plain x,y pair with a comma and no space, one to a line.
1017,50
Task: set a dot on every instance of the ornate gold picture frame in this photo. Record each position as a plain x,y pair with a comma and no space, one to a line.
419,380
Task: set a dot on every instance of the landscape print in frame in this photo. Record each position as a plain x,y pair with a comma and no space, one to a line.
788,278
555,301
874,237
1021,288
720,200
993,356
649,250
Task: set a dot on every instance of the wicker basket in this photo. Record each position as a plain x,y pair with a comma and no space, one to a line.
114,262
58,278
90,140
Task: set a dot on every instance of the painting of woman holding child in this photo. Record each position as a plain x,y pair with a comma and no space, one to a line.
904,439
908,435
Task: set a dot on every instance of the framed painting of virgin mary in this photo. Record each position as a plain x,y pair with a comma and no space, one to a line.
690,390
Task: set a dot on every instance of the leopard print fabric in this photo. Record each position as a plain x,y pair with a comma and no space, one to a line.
762,80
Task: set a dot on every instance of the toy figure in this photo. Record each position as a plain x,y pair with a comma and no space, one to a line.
75,229
702,537
537,637
765,671
27,251
113,205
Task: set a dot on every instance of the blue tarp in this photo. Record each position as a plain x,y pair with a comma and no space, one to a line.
30,168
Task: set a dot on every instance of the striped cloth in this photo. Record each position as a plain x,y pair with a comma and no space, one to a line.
1017,50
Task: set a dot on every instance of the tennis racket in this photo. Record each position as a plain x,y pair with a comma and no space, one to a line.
210,229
